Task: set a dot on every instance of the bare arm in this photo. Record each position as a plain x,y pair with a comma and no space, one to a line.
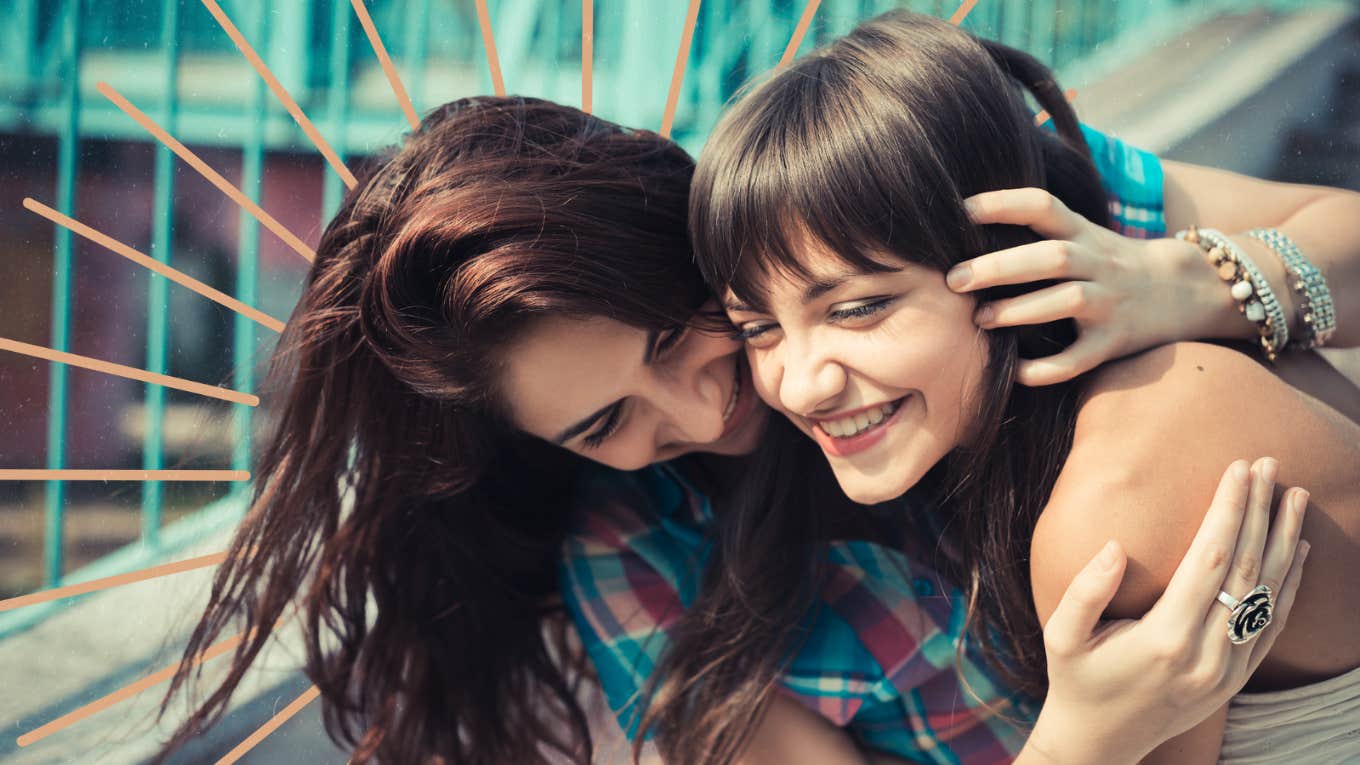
1148,437
1323,221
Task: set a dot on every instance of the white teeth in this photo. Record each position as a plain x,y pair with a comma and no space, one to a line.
856,424
732,402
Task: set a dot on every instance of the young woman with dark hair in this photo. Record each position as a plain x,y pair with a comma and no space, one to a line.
507,294
826,210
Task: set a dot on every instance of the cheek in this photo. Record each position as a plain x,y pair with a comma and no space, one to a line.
765,374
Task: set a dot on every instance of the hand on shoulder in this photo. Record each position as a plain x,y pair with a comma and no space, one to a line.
1152,434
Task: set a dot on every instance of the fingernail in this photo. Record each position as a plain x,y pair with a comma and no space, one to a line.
971,207
984,314
1269,469
958,277
1240,471
1105,560
1304,547
1301,501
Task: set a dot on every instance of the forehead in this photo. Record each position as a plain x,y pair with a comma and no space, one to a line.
564,369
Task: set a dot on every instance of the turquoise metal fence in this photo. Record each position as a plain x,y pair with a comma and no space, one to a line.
321,55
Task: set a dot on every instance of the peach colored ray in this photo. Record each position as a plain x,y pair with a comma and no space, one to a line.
274,723
393,79
1043,115
587,52
808,13
211,175
962,12
678,76
484,18
132,373
94,585
281,93
78,474
155,265
126,692
134,688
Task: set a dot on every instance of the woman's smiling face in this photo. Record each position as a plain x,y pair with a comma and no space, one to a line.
882,370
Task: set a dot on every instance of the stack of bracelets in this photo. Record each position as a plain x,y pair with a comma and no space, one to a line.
1255,299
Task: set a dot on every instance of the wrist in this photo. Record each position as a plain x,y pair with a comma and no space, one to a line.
1212,312
1060,737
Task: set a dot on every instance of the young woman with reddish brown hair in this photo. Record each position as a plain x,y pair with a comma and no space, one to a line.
508,293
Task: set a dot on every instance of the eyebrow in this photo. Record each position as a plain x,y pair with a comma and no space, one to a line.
590,420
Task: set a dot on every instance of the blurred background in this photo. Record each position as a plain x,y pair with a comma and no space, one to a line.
1266,88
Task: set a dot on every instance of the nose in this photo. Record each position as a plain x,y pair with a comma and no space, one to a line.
810,381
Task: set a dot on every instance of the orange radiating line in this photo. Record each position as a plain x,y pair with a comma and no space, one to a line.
132,689
808,13
678,75
587,52
393,79
207,172
274,723
282,94
77,474
56,593
132,373
126,692
962,12
484,18
153,264
1043,115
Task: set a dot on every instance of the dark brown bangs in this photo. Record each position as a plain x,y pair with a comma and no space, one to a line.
789,165
848,148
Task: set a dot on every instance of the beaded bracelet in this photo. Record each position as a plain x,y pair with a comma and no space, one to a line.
1248,286
1317,315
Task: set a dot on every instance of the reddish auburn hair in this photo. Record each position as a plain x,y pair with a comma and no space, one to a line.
391,496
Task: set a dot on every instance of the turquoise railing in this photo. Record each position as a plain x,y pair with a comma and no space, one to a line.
317,49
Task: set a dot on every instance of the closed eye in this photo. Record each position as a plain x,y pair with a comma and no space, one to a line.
862,310
669,339
607,428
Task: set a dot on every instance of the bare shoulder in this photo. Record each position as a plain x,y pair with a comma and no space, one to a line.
1154,434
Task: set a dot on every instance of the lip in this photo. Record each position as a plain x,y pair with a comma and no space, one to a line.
844,447
745,399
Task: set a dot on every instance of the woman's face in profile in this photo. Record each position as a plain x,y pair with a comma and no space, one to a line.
626,397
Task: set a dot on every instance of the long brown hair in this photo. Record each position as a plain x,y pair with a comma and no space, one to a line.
391,497
871,144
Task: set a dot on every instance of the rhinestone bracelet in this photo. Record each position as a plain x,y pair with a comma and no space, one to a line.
1317,315
1248,286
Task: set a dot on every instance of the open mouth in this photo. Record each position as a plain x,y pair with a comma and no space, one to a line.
857,431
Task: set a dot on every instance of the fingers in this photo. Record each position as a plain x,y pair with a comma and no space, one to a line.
1035,208
1071,624
1198,578
1284,603
1284,538
1245,573
1061,301
1088,352
1049,259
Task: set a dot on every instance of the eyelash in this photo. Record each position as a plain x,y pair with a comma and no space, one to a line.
611,423
859,311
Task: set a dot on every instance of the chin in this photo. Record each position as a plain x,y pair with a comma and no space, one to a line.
870,491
